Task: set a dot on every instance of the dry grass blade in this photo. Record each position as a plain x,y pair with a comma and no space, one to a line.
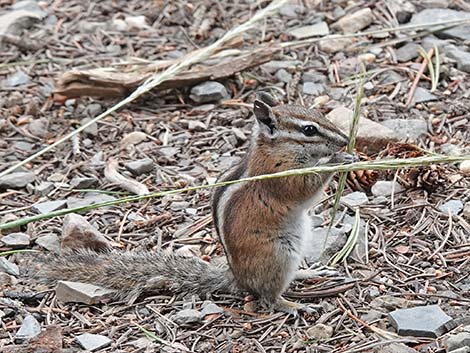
375,165
155,80
350,243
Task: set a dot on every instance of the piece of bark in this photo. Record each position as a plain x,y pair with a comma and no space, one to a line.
77,233
111,173
108,82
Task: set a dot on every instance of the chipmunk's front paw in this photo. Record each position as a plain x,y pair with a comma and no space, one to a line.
344,157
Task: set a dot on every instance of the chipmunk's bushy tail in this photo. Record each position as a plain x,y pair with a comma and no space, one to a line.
133,273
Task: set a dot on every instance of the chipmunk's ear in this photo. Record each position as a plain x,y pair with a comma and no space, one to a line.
266,98
265,116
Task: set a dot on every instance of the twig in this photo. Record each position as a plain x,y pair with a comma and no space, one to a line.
418,76
377,165
449,232
111,173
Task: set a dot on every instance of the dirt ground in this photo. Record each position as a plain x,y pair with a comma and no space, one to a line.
417,254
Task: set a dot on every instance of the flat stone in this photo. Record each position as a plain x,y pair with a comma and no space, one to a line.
411,129
83,182
422,95
421,321
385,188
324,244
92,342
140,166
76,292
44,188
187,316
16,240
91,130
318,29
395,348
407,52
354,199
283,75
461,57
17,79
371,136
89,199
372,315
313,89
9,267
457,341
13,22
275,65
331,46
49,242
78,233
354,22
291,10
320,332
440,15
454,206
30,328
211,308
209,91
450,149
16,180
49,206
389,302
23,146
29,5
315,77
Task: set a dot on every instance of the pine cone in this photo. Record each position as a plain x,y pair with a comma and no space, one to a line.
362,180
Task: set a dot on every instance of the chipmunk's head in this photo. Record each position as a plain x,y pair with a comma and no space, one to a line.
296,132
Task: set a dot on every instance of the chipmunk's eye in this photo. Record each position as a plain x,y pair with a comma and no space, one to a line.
309,130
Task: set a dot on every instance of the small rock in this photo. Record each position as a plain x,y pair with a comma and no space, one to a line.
188,251
17,79
92,342
119,25
422,95
405,129
83,182
16,180
44,188
355,199
195,125
91,130
324,244
461,57
457,341
9,267
390,78
389,302
395,348
6,281
9,217
13,22
283,75
333,46
50,242
275,65
78,233
314,77
372,315
76,292
320,332
407,52
30,328
140,166
454,206
187,316
440,15
49,206
211,308
93,109
450,149
90,199
385,188
16,240
91,26
291,10
29,5
209,91
23,146
314,89
133,138
421,321
371,136
354,22
318,29
139,22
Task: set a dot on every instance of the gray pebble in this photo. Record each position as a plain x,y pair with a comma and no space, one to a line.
16,240
209,91
30,328
92,342
454,206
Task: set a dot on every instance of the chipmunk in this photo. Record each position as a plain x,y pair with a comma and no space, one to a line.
262,225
